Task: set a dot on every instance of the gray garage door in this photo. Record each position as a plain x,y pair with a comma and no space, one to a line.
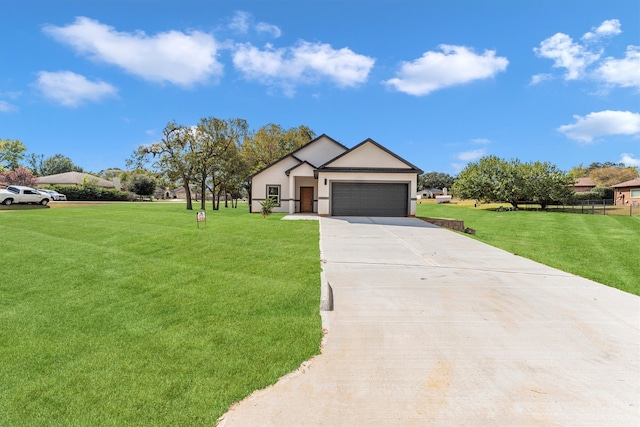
369,199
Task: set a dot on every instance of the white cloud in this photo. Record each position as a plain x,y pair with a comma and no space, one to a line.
574,57
175,57
622,72
469,156
272,30
584,60
610,27
5,107
538,78
71,89
629,160
302,64
240,22
602,123
455,65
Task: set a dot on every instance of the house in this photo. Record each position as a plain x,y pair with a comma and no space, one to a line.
428,193
627,192
74,178
327,178
583,185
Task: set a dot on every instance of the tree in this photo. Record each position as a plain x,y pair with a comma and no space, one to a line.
608,176
435,180
141,184
492,179
174,156
215,139
19,176
11,153
53,165
545,183
271,142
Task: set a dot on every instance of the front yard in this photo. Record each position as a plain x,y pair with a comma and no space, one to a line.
130,314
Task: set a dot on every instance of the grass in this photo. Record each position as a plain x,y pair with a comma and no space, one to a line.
601,248
127,314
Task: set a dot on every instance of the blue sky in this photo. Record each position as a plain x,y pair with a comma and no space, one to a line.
440,83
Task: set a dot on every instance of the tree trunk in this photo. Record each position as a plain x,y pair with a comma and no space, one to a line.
203,195
187,192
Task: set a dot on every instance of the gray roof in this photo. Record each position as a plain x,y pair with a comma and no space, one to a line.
73,178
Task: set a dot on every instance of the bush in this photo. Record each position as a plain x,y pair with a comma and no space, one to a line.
90,193
602,193
267,207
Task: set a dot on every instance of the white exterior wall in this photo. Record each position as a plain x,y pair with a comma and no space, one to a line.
324,189
320,152
275,175
368,156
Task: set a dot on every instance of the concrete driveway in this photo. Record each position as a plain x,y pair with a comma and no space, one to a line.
433,328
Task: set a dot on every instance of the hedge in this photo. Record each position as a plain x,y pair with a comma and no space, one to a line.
90,193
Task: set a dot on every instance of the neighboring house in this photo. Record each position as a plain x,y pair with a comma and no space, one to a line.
73,178
429,193
327,178
627,192
583,185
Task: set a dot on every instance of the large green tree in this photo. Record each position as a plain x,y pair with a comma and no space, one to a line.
271,142
438,180
53,165
11,153
216,140
493,179
141,184
173,156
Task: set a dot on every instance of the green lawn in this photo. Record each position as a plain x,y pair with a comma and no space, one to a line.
128,314
601,248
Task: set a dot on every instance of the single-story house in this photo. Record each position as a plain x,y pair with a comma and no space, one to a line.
627,192
583,185
73,178
327,178
429,193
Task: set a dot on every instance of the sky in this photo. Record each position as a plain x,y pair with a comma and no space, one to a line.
439,83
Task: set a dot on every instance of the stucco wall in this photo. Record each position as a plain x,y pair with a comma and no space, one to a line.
368,156
320,152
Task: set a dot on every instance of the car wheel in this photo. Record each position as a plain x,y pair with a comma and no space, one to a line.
44,202
7,202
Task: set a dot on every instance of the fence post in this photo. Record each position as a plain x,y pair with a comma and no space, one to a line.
604,207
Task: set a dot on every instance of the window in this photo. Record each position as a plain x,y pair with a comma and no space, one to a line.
273,192
635,193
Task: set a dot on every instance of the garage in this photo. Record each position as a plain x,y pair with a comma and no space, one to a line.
369,199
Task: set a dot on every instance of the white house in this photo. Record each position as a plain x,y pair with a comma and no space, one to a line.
327,178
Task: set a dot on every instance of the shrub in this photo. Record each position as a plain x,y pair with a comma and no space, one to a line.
602,193
267,207
91,193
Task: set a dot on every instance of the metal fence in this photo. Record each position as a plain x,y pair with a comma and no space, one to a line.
593,207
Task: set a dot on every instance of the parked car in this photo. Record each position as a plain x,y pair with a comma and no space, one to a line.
22,194
54,195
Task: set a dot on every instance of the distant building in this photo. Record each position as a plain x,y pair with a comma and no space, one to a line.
74,178
627,192
583,185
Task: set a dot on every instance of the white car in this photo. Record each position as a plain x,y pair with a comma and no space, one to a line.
22,194
54,195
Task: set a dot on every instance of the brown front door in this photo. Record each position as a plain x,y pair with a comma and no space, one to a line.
306,199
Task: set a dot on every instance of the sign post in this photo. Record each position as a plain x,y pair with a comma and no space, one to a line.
201,217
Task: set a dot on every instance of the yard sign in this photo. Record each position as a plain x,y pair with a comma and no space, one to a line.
201,217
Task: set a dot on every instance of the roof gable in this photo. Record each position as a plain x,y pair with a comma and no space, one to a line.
315,152
370,155
632,183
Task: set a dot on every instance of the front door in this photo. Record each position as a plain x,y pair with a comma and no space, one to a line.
306,199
